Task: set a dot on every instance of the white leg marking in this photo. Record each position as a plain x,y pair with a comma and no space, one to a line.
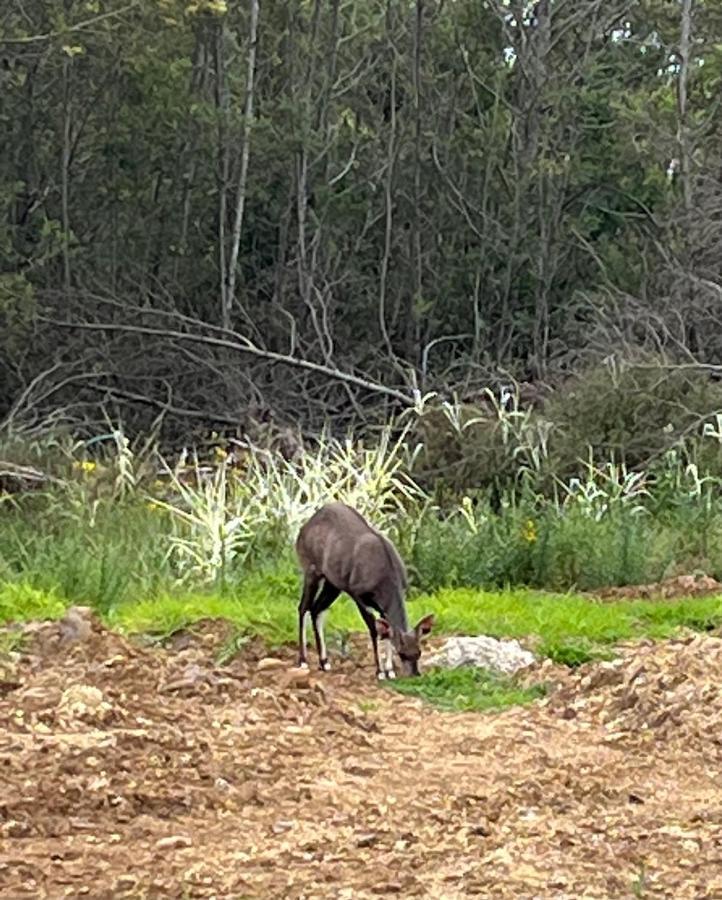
389,660
320,619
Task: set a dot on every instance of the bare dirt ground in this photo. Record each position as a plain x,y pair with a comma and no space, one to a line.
128,771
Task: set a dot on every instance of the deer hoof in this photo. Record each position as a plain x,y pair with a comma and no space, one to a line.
324,665
302,664
391,674
381,676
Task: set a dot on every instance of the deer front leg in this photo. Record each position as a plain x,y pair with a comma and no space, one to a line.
371,625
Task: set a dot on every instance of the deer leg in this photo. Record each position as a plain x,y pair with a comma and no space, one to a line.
389,659
310,587
371,625
318,613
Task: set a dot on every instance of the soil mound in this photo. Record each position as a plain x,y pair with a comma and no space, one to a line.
135,771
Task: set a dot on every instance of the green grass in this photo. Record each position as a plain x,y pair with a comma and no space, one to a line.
21,602
11,642
467,689
568,628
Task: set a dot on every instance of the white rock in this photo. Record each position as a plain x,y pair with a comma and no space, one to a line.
483,652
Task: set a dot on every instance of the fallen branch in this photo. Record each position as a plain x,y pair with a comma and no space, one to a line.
240,345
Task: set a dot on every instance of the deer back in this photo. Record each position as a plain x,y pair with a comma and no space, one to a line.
340,545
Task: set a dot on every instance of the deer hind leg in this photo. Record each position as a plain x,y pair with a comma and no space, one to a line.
318,613
371,625
311,582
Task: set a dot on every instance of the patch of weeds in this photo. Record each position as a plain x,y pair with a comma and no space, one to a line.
661,618
340,641
367,706
19,602
639,884
575,653
231,647
572,628
12,641
467,689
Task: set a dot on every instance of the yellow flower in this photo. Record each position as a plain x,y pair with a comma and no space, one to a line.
528,532
220,452
85,465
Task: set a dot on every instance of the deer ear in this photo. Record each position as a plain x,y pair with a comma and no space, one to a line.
383,629
425,625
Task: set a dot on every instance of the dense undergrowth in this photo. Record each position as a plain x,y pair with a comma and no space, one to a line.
154,546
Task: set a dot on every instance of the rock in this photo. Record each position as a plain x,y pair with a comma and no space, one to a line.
366,840
269,662
77,625
83,701
297,678
482,652
173,842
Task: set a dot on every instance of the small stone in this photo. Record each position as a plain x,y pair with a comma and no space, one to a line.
269,662
173,842
366,840
297,678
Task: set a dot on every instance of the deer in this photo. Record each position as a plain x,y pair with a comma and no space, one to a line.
340,552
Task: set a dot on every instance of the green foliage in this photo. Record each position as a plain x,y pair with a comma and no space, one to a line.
112,531
467,690
21,602
629,415
98,554
263,605
564,621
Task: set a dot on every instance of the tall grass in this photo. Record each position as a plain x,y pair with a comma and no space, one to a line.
118,524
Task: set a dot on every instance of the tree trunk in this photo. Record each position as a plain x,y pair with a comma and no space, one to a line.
230,297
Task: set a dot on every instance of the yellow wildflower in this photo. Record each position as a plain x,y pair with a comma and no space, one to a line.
528,532
85,465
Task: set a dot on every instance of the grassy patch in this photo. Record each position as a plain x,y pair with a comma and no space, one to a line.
22,602
568,628
11,642
567,624
467,689
265,605
574,652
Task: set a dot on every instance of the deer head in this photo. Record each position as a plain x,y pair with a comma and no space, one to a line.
406,643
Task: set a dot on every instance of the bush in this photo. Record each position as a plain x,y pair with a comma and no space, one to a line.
630,414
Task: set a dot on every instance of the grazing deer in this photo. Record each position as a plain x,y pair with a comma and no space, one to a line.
340,551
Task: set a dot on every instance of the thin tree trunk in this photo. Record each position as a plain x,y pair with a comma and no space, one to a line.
389,211
65,173
416,300
685,46
189,150
243,175
222,102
